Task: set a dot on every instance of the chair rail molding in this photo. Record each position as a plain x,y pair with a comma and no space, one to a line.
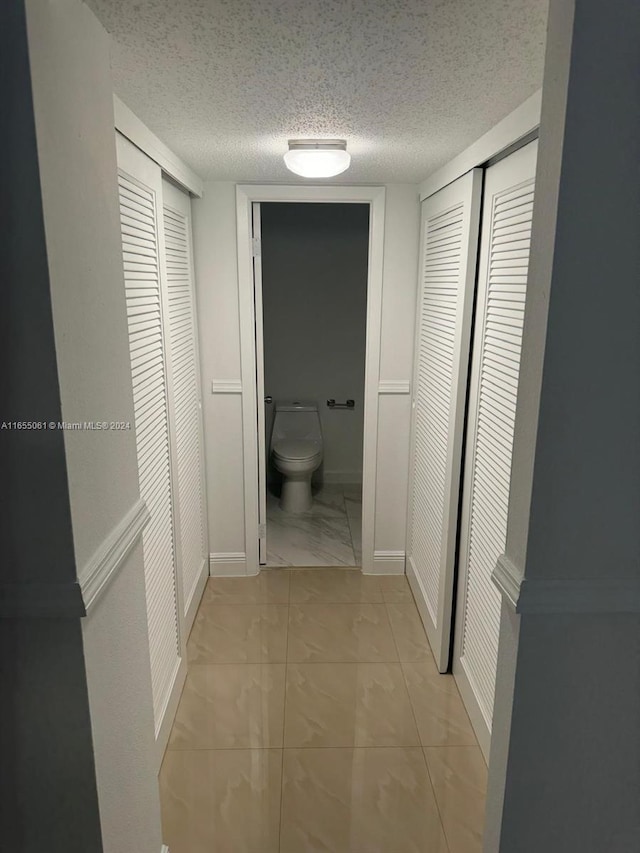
394,386
226,386
102,567
565,595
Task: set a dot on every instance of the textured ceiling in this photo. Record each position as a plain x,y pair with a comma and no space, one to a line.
408,83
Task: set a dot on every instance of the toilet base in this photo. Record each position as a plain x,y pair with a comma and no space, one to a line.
296,495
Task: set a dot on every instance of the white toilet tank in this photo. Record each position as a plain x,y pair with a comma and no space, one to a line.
296,420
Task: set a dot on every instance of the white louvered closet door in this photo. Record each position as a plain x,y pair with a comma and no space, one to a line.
449,240
502,285
185,398
140,187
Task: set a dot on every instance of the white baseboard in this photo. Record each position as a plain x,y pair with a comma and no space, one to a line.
388,563
169,713
191,606
165,849
228,564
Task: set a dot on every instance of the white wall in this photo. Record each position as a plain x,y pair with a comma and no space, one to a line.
217,286
314,298
69,52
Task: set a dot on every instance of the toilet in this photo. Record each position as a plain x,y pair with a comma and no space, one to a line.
296,451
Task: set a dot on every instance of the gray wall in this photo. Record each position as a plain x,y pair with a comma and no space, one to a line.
48,797
573,758
314,262
73,99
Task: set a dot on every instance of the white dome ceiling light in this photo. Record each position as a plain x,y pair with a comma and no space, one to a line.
317,158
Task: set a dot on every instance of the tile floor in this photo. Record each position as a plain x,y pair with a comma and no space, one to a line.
330,534
313,719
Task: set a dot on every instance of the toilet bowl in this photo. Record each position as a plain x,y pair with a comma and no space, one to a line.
296,451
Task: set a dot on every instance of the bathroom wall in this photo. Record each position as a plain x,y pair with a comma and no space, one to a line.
215,252
314,294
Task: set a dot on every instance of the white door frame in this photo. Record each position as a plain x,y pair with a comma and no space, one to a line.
374,196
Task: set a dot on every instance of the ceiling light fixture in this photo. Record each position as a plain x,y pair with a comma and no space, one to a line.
317,158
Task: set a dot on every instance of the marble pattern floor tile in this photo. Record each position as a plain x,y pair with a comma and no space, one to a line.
221,800
313,718
239,633
459,777
267,587
408,632
333,586
347,704
329,534
231,706
298,540
395,589
441,717
348,633
356,800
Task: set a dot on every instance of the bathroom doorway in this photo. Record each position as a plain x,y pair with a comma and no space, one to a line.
313,269
310,324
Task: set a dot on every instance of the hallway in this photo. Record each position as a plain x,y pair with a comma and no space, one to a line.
313,718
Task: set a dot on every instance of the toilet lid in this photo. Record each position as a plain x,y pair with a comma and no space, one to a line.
297,449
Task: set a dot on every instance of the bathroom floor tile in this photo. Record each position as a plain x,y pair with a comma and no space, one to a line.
221,800
334,586
302,540
395,589
408,632
230,706
239,633
441,717
459,777
358,801
268,587
348,704
340,632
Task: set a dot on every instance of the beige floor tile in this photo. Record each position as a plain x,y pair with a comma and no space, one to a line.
340,632
441,716
408,632
348,704
221,801
333,585
358,801
231,706
459,777
239,633
395,589
271,586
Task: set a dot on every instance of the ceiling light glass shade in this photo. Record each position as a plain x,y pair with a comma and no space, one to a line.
313,158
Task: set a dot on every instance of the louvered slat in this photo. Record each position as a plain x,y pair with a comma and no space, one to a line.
441,356
496,356
185,396
142,287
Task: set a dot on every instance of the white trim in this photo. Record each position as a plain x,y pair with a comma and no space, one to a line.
163,729
565,595
517,125
394,386
102,567
508,578
228,564
193,602
129,125
165,849
469,695
245,196
387,563
226,386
